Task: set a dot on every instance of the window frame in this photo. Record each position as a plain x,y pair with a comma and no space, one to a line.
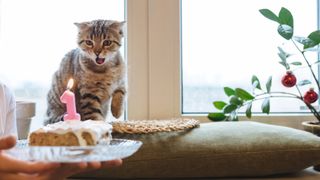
150,55
153,55
154,58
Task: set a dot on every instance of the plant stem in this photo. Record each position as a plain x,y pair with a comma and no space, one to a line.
309,65
271,94
314,111
282,95
279,92
299,91
275,96
302,67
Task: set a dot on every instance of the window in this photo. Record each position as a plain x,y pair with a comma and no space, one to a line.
156,72
155,37
224,45
34,37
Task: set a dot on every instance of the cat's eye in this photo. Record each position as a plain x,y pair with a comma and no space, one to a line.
107,43
89,43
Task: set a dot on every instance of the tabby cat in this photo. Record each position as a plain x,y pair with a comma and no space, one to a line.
98,71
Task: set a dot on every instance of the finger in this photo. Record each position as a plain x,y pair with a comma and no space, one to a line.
11,164
17,176
68,169
52,175
7,142
94,165
113,163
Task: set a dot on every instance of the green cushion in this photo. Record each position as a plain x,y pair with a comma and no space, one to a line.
221,149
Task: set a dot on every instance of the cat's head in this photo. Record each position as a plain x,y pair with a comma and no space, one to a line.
100,39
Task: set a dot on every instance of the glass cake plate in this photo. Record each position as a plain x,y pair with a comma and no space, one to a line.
116,149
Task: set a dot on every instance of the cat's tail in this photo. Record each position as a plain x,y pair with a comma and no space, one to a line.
55,109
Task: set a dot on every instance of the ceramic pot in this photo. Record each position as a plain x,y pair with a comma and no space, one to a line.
25,111
312,126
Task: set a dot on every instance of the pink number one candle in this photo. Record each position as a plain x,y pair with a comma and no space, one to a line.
68,98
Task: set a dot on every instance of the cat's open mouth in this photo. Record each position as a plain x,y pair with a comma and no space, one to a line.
100,60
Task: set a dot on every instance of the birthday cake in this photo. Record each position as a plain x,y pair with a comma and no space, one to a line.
72,133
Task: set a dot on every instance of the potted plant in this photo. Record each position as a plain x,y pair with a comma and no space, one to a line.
240,98
25,112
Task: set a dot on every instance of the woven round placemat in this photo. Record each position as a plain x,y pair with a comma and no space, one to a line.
152,126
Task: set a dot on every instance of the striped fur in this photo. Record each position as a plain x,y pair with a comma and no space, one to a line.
98,71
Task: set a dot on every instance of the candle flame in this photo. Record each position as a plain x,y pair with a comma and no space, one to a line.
70,83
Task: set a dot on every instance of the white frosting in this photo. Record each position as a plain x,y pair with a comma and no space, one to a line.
97,129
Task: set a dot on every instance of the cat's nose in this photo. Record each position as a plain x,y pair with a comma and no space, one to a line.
97,52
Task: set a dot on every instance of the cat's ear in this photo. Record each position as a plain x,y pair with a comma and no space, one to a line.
83,25
119,26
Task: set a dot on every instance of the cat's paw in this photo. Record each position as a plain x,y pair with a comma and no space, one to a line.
117,104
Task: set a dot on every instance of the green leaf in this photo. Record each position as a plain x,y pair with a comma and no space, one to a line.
309,47
228,91
268,84
270,15
312,49
304,82
283,57
265,107
315,36
296,63
281,51
255,82
243,94
248,110
229,108
317,62
217,116
312,40
307,42
285,31
286,17
235,100
219,104
300,39
286,65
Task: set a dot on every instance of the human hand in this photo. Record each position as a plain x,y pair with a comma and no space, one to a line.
12,168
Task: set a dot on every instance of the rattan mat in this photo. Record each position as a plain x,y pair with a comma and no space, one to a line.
152,126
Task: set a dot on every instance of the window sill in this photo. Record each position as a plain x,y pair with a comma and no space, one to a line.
288,120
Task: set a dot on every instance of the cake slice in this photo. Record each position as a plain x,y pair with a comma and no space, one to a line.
71,133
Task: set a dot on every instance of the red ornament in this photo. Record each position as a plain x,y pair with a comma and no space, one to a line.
310,96
289,80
